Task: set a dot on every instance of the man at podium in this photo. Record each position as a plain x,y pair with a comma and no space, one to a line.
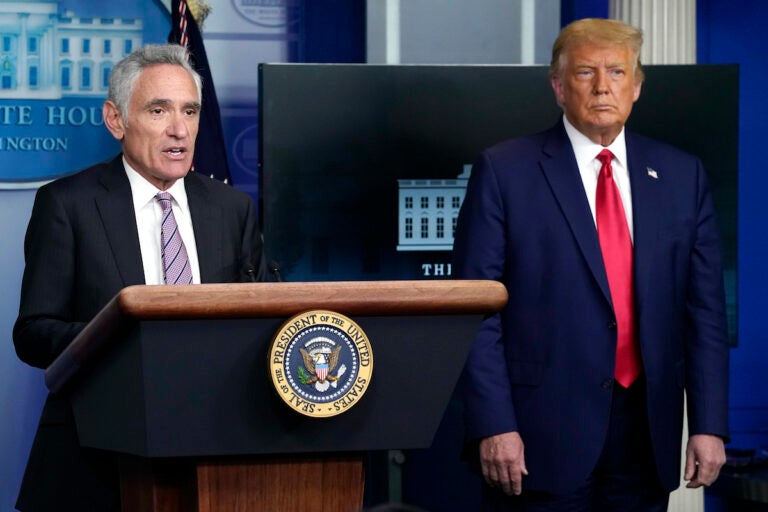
141,218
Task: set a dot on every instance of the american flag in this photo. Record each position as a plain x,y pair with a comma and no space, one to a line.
210,149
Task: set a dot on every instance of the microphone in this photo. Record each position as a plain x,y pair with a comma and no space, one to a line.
250,271
274,269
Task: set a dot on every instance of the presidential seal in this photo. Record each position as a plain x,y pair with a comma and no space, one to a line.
321,363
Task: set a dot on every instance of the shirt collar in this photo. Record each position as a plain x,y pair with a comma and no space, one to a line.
586,150
144,192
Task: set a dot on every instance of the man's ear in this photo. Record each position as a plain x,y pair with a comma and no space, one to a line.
557,87
113,119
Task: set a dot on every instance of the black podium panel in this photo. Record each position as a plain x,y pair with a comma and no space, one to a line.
211,394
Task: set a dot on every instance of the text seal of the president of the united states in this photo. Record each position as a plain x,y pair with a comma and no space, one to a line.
321,363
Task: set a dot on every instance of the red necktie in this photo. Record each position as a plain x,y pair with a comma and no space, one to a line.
616,245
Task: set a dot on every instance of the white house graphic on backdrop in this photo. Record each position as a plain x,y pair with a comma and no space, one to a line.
428,211
44,55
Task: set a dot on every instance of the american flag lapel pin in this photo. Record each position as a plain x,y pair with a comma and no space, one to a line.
652,173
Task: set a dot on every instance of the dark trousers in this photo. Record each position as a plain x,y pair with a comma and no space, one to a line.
624,480
63,477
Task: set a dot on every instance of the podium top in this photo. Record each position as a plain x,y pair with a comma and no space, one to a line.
370,298
265,300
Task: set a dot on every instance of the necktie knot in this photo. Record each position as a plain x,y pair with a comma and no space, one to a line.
165,200
606,157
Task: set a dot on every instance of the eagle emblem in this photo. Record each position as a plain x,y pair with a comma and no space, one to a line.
319,364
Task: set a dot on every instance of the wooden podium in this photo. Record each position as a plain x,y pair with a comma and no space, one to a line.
175,379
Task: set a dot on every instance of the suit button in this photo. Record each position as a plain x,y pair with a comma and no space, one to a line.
607,384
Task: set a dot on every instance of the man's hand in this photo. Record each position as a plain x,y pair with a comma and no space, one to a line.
704,456
503,462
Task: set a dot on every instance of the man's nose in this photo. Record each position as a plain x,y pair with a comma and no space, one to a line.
177,127
600,82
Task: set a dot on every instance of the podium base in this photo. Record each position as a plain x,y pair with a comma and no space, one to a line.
306,483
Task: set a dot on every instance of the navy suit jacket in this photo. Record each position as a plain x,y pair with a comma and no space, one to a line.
82,248
544,365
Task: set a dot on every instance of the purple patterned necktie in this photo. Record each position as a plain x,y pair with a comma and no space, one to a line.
176,269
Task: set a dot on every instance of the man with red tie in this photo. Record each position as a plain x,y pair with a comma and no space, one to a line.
608,246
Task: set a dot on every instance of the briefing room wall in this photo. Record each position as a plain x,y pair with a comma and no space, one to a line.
733,31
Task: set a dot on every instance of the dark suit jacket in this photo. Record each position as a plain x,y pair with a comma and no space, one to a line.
544,365
81,248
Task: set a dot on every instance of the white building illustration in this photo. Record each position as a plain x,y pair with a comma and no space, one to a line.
44,55
428,211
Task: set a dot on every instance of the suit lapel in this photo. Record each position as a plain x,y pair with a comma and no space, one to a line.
206,219
115,206
562,173
645,178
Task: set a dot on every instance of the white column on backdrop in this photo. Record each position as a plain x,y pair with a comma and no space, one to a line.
393,32
383,31
669,28
528,32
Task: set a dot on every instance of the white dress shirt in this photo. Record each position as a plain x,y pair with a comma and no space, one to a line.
149,216
586,153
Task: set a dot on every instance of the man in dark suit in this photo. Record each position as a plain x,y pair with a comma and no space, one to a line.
574,392
99,230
